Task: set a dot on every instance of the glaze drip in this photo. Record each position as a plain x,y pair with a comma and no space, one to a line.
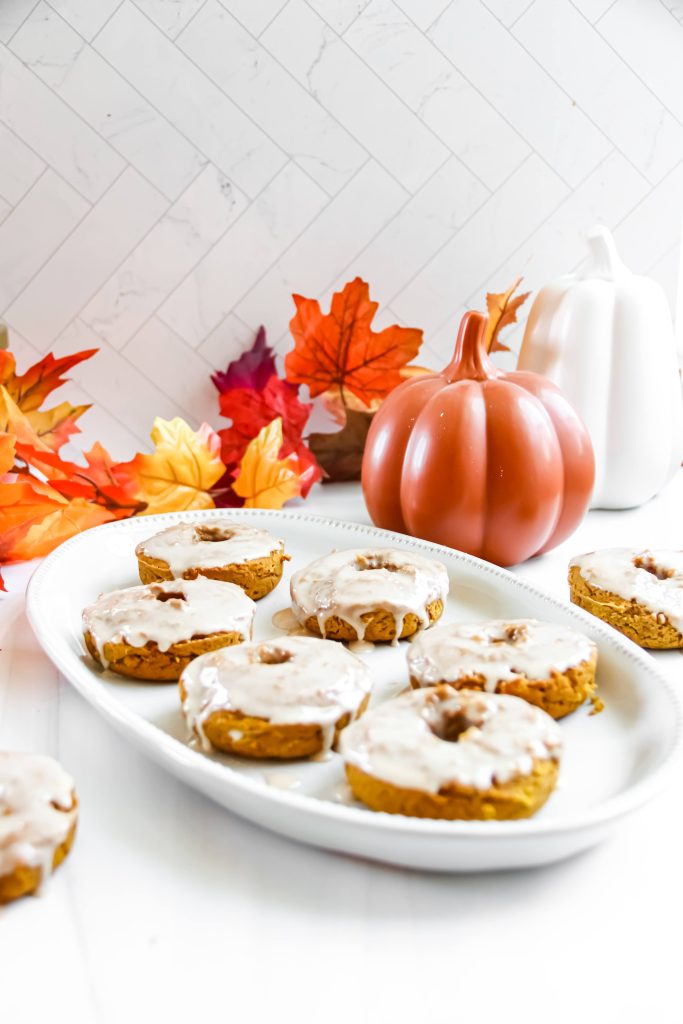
651,577
37,811
350,584
167,613
293,680
210,545
496,651
438,737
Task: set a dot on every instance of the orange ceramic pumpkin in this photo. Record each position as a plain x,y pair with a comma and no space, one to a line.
496,464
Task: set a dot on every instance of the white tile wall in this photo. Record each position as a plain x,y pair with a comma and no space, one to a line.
171,171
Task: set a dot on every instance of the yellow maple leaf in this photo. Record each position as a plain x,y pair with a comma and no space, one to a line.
14,421
502,310
264,480
182,469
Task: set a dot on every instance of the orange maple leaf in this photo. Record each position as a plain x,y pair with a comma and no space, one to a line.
7,449
502,310
264,480
99,481
340,350
180,472
36,518
52,529
29,390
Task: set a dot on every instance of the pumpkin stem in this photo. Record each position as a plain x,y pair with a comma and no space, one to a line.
606,261
470,359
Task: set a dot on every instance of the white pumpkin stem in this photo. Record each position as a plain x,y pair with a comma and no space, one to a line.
606,261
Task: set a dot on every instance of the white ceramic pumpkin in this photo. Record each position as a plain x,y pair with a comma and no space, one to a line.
605,336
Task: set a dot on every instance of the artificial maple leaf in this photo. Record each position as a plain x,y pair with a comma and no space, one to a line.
252,370
29,390
55,426
502,310
341,453
264,480
250,410
340,350
7,449
337,409
24,502
14,421
181,471
100,480
57,526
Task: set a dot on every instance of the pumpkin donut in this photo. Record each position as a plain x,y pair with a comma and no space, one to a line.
38,815
445,753
640,593
374,594
153,632
220,549
550,666
280,698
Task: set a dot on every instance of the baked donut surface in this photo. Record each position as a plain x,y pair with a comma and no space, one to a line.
279,698
546,664
374,594
219,549
153,631
638,592
439,752
38,816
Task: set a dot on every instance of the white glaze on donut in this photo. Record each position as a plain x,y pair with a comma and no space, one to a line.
209,545
497,651
294,680
37,811
651,577
396,741
169,612
349,584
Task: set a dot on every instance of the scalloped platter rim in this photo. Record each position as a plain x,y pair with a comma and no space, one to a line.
614,762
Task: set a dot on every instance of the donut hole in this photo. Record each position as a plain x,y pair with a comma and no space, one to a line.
170,595
274,656
213,534
648,563
365,563
451,724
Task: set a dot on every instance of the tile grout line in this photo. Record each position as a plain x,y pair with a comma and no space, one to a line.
622,61
582,109
95,131
20,25
531,147
144,238
68,235
276,260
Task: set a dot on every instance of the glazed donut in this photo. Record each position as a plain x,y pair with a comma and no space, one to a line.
279,698
640,593
369,594
38,815
551,666
152,632
445,753
218,548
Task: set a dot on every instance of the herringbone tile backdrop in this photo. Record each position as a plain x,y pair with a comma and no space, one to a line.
171,170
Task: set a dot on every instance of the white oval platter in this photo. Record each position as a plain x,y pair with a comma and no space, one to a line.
613,761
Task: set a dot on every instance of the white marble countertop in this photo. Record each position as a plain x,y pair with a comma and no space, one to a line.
170,909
